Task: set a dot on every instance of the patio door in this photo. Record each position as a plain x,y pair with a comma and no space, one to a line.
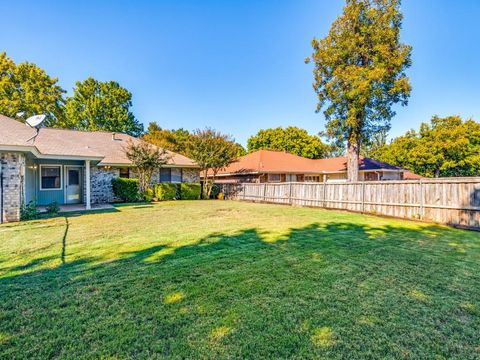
73,184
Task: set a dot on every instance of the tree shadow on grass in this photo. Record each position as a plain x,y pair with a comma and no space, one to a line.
336,290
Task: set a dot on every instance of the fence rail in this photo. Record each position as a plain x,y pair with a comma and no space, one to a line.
452,201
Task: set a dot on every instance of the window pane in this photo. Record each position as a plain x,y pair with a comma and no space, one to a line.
165,175
124,173
50,177
73,177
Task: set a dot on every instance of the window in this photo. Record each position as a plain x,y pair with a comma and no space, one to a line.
124,173
73,177
274,177
312,178
50,177
165,175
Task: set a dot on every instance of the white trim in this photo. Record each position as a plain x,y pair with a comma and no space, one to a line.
101,163
37,154
40,176
65,174
88,205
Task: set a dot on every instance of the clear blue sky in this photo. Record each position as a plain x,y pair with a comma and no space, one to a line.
236,66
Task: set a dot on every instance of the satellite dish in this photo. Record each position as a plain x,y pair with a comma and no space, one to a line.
35,121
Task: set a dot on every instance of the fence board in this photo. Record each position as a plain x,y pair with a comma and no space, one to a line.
452,201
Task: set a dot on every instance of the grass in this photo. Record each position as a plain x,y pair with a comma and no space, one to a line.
237,280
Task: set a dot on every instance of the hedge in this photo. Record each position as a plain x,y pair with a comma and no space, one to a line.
190,191
126,189
166,191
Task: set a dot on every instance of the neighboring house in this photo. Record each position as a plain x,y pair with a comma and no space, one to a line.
410,175
69,167
276,166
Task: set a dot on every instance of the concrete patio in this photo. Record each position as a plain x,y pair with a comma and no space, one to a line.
77,207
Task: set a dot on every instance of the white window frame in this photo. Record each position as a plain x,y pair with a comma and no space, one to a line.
61,176
274,181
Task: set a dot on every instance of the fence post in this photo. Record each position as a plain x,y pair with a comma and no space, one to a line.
264,192
290,193
363,196
324,193
422,200
243,190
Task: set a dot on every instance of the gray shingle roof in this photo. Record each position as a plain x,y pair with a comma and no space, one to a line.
107,146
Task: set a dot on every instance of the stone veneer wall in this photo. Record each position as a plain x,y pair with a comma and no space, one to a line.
191,175
101,184
12,171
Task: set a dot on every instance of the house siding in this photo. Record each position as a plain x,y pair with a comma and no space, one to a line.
32,188
12,171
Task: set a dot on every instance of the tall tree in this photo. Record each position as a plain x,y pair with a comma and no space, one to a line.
97,105
359,73
291,139
173,140
447,146
29,89
212,151
375,142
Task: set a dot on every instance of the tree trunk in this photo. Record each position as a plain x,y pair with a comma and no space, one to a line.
352,160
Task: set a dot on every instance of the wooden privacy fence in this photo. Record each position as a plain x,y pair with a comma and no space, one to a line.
452,201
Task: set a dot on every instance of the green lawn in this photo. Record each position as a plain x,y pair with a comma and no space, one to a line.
220,279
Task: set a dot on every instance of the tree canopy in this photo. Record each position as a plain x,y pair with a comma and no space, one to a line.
173,140
447,146
213,151
97,105
146,159
27,88
359,73
291,139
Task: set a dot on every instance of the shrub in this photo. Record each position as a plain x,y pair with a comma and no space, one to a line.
215,191
166,191
148,195
53,208
190,191
221,196
28,211
126,189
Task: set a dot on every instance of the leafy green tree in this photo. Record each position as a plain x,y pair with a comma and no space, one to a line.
240,150
146,158
375,142
97,105
212,151
173,140
446,147
359,73
27,88
291,139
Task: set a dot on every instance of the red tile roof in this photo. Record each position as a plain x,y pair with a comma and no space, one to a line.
268,161
409,175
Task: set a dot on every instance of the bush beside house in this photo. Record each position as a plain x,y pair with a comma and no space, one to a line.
166,191
190,191
126,189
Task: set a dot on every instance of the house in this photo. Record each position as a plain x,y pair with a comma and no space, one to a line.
410,175
277,166
69,167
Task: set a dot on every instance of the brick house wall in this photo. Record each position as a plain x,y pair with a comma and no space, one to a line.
12,170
